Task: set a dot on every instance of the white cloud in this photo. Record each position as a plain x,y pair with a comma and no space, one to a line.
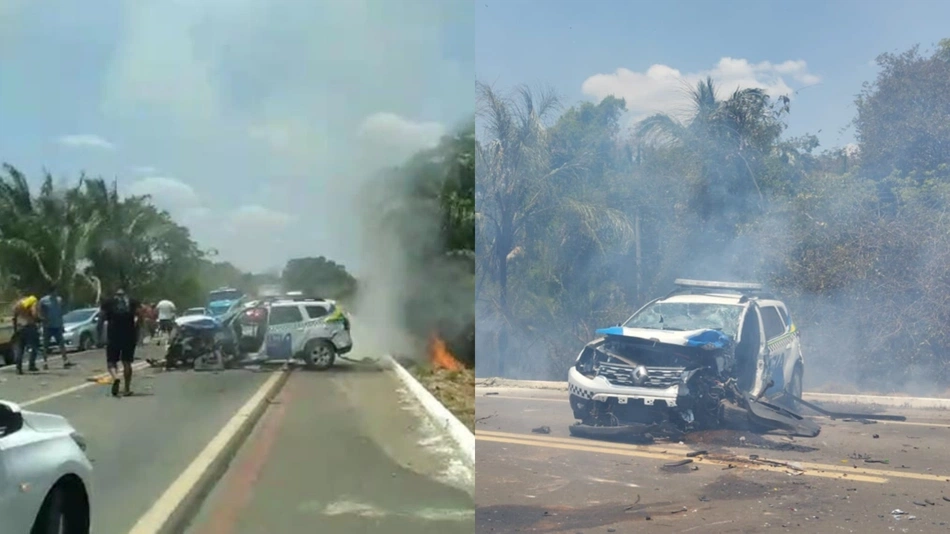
168,193
259,217
661,88
390,139
389,128
85,141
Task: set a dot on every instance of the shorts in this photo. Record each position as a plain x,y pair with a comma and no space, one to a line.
52,333
120,351
166,325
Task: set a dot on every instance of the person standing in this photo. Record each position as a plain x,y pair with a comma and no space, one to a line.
166,317
26,332
122,314
51,315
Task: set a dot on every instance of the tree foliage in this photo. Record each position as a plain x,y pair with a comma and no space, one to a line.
581,222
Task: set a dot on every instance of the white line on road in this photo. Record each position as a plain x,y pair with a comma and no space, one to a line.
157,517
78,387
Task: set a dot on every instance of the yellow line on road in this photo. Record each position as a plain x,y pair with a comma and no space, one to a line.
668,453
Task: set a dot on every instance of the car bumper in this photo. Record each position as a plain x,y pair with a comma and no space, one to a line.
599,389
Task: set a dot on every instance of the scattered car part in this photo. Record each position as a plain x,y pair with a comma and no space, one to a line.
847,415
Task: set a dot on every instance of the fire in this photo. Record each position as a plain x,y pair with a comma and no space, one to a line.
440,356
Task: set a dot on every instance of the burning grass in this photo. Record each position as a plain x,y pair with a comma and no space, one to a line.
449,381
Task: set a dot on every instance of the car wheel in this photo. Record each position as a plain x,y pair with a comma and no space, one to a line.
85,342
61,514
319,354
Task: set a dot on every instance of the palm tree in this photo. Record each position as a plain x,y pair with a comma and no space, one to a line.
729,137
42,239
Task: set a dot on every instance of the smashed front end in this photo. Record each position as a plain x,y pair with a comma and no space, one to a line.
645,378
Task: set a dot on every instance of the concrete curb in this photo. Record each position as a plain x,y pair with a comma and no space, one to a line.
437,412
180,518
920,403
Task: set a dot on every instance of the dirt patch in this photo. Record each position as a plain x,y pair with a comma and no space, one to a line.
454,389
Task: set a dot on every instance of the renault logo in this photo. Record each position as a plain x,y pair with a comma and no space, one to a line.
640,375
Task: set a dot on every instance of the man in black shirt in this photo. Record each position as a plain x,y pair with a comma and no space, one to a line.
122,314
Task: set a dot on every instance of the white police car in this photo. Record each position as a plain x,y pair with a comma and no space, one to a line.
315,330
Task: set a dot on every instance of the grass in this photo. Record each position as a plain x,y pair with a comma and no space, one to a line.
454,389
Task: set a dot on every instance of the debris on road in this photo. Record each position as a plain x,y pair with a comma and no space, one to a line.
542,430
694,454
677,464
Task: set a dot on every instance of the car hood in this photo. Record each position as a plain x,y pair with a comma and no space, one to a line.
46,422
70,326
683,338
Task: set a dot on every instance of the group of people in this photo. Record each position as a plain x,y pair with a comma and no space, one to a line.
30,315
122,317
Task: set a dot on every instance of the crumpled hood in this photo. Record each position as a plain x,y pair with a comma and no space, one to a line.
47,422
686,338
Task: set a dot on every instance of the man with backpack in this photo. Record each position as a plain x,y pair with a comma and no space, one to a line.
123,314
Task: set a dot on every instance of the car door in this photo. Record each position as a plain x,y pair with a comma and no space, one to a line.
283,326
779,344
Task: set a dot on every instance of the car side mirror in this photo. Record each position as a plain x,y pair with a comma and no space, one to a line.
11,419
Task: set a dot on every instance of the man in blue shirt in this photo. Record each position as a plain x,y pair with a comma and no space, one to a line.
51,313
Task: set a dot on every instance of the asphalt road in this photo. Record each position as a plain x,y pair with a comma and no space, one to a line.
554,483
342,449
138,444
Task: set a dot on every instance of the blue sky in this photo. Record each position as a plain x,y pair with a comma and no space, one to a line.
822,50
254,122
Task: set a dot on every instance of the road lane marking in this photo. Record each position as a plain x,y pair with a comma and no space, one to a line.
156,518
910,423
239,488
857,476
682,450
78,387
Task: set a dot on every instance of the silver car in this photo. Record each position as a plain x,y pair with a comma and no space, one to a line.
80,330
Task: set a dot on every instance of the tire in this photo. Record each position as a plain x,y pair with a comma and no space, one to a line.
85,342
319,354
61,514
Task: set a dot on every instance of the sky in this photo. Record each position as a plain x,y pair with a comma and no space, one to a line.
254,122
817,52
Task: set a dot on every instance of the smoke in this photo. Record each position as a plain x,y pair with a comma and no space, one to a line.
411,287
867,283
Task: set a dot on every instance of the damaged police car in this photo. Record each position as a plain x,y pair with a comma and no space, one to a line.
673,363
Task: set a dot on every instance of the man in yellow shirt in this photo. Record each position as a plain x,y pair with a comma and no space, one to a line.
26,331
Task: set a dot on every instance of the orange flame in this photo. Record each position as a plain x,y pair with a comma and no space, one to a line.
440,356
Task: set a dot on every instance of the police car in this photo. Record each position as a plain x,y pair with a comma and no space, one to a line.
315,330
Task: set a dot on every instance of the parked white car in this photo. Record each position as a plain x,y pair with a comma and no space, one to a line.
45,476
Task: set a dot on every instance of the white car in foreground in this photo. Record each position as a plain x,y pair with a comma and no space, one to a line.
45,475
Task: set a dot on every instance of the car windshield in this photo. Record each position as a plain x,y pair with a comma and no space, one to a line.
688,316
78,316
224,295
